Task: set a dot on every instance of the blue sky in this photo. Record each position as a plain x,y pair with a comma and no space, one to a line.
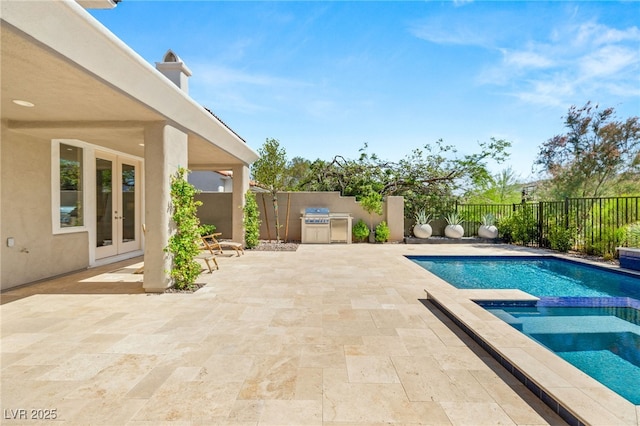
324,78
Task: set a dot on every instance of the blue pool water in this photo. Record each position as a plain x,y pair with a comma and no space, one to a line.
538,276
602,341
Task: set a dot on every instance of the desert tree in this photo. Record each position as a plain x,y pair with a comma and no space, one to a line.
270,172
597,153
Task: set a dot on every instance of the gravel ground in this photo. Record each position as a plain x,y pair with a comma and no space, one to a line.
266,245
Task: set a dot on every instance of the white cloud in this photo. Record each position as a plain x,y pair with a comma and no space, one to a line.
591,34
458,3
607,61
547,92
238,90
526,59
447,32
576,61
223,76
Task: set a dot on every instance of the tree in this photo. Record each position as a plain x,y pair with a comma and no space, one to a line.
371,202
597,152
428,176
501,188
270,173
297,170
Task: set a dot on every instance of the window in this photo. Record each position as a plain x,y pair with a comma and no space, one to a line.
68,187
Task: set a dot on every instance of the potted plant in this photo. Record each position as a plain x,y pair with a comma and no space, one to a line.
382,232
454,228
422,229
488,228
360,231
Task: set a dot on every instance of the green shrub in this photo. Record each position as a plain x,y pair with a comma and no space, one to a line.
505,228
598,235
183,244
382,232
360,231
251,221
560,238
206,229
520,227
631,235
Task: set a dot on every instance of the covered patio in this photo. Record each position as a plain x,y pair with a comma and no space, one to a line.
91,135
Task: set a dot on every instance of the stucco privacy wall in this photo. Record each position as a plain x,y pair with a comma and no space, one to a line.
216,210
26,215
392,212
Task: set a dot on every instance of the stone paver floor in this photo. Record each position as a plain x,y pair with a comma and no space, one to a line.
334,334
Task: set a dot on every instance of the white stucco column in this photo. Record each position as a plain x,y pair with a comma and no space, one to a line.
395,217
240,187
165,150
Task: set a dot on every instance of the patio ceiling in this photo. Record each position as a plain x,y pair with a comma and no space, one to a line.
72,102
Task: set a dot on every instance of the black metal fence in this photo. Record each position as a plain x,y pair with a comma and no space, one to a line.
594,225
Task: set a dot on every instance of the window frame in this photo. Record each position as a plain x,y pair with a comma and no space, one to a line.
55,185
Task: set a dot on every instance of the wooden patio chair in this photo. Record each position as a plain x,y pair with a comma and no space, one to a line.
218,245
208,254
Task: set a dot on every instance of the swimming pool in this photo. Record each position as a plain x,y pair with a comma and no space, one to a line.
602,342
587,315
541,276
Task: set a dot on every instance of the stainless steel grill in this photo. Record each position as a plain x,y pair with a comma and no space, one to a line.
319,226
316,215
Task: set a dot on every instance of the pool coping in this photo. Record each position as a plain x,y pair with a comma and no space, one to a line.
578,398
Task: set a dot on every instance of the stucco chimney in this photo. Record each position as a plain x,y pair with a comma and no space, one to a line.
175,70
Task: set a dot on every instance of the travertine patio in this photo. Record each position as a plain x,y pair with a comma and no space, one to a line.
330,334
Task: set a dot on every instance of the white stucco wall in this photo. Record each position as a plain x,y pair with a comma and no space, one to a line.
25,193
209,181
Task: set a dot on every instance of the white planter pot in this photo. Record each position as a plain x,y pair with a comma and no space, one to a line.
490,232
454,231
422,231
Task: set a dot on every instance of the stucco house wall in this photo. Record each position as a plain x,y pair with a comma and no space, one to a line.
210,181
68,81
26,215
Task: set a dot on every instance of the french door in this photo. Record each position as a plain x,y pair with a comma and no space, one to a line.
117,205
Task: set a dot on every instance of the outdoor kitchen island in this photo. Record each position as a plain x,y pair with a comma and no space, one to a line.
320,226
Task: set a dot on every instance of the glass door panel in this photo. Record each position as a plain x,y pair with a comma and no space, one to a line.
117,205
129,203
104,202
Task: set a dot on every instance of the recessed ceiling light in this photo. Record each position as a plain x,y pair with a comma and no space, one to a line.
141,144
23,103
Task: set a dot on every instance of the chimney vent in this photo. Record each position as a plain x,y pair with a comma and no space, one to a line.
175,70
